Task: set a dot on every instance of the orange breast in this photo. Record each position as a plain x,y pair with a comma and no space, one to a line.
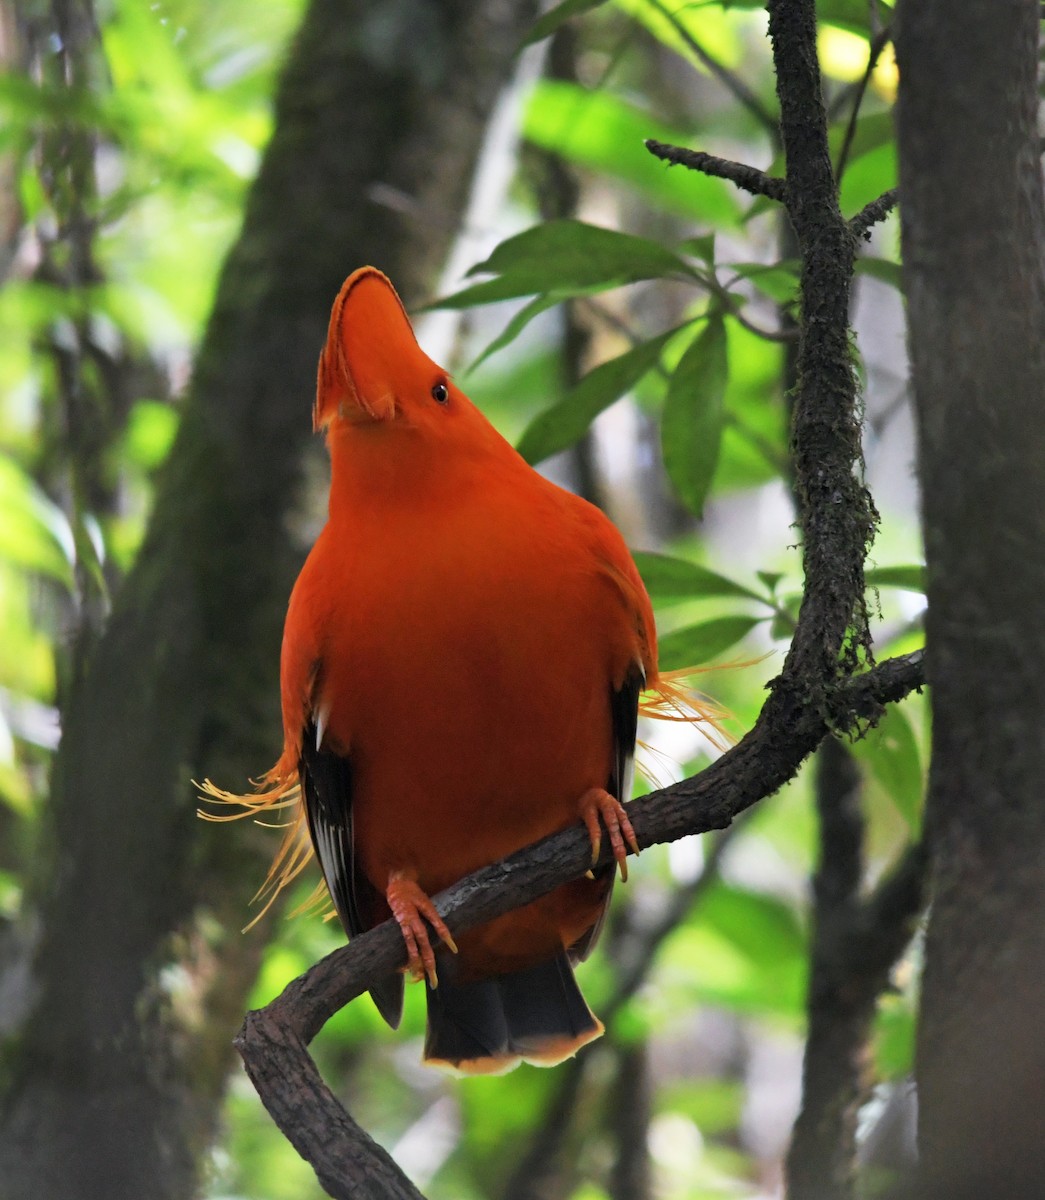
467,666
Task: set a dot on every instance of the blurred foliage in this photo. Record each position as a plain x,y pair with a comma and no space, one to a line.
685,290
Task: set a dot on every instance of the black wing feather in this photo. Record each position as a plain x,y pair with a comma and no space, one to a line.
624,711
326,784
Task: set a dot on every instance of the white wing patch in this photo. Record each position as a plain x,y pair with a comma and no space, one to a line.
322,716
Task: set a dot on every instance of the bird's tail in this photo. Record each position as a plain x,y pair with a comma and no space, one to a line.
486,1026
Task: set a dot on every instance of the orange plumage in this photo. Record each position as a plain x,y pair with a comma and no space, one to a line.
462,660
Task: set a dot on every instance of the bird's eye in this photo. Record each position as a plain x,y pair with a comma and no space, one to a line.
440,393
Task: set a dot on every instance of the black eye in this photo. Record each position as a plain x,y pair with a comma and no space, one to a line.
440,394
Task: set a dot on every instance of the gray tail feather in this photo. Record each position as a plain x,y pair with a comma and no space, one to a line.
489,1024
388,997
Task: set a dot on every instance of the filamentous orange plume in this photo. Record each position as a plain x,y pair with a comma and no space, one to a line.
461,672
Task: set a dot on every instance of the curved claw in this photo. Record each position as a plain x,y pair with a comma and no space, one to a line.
411,907
598,808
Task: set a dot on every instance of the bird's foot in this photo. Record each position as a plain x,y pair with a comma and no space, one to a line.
596,804
411,906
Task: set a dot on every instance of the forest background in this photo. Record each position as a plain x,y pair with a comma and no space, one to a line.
183,187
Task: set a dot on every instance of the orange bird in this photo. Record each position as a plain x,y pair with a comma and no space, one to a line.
462,661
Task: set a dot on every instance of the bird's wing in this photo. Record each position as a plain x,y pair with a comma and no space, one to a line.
326,784
624,708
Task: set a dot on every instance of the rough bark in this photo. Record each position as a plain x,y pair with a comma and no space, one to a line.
856,942
629,1113
386,102
974,248
821,1160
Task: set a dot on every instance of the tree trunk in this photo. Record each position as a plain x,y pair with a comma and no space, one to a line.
384,99
973,242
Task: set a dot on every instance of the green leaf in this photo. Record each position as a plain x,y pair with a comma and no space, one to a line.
566,422
910,577
778,281
674,22
868,176
894,1036
552,19
602,132
571,253
34,533
851,14
568,257
782,626
741,949
882,269
754,441
670,579
150,432
515,326
765,928
702,247
891,752
692,421
698,644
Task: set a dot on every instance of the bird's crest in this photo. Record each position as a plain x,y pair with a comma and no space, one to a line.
369,353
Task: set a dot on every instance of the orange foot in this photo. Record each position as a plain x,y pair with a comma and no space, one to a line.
409,905
596,803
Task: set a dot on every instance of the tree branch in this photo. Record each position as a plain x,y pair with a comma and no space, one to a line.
272,1041
743,94
628,1109
879,43
346,1160
855,944
874,212
751,179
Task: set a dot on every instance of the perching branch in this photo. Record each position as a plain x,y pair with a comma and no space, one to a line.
751,179
346,1160
272,1041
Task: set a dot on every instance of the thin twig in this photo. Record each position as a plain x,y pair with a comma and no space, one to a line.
723,74
783,336
872,213
751,179
646,939
875,52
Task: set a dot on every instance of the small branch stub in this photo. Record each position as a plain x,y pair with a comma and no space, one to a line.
873,213
750,179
